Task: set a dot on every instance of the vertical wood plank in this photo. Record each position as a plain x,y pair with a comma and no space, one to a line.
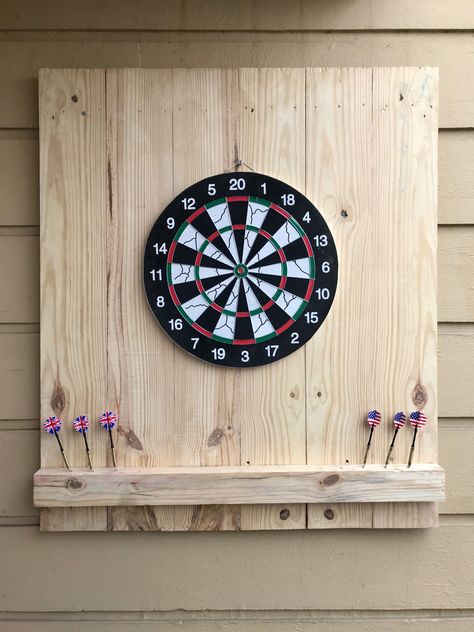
338,146
271,140
205,424
73,274
373,144
141,359
405,115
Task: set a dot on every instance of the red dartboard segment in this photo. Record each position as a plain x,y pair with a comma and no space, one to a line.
239,272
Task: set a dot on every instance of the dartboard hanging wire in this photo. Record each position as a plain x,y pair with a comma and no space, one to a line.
240,270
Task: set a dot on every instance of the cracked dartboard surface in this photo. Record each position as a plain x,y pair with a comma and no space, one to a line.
240,269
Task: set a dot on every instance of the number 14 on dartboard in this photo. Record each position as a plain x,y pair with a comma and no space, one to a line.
240,270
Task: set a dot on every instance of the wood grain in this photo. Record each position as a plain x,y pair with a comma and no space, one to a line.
73,264
246,15
234,485
19,179
20,303
271,408
372,158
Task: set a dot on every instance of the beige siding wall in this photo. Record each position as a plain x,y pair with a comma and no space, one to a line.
337,580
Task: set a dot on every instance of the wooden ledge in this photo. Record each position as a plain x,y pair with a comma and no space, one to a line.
238,485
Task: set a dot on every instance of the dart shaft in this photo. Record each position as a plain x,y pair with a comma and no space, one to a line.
412,448
63,454
368,445
88,452
391,447
112,448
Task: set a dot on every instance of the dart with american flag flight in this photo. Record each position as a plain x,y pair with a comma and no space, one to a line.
373,419
418,421
52,425
399,420
108,421
81,425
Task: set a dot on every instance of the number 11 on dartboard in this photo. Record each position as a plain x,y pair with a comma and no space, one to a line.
240,270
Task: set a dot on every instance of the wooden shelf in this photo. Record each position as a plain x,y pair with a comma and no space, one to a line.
238,485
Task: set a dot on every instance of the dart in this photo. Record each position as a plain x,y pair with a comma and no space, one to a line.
417,420
373,419
108,421
399,420
81,425
52,425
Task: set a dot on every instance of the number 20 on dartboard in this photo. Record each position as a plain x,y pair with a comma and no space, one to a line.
240,270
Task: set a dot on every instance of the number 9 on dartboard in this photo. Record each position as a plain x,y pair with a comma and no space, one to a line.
240,270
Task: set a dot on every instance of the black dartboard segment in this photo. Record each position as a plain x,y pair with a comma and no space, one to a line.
240,270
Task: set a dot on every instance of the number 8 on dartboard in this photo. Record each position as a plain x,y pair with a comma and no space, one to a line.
240,270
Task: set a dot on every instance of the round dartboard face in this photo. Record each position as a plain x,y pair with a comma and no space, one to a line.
240,270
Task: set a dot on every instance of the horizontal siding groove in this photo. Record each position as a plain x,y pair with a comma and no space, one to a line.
19,328
280,616
19,521
73,34
19,231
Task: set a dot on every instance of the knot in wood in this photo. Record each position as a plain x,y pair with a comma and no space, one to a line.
215,437
284,514
419,395
332,479
58,399
75,484
329,514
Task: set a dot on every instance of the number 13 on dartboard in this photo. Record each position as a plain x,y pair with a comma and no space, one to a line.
240,270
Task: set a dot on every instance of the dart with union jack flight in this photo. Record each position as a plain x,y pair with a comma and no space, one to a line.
418,421
52,425
81,425
108,421
373,419
399,420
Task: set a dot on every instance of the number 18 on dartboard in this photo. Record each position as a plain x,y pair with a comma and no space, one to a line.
240,270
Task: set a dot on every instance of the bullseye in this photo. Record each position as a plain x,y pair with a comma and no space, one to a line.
241,270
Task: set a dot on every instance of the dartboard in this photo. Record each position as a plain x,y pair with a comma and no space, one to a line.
240,269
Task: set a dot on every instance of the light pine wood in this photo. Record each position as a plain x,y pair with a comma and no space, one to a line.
166,50
203,121
19,388
455,276
19,454
139,146
374,157
271,139
19,179
233,485
73,207
245,15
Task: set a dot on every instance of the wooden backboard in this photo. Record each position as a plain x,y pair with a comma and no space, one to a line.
116,146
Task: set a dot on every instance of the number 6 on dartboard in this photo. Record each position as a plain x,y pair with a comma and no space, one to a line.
241,270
